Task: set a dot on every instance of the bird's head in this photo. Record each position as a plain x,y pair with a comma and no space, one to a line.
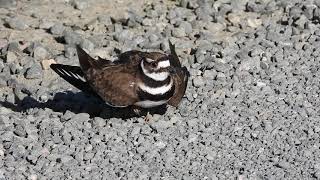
156,66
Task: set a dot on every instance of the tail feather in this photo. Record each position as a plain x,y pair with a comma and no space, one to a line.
73,75
175,59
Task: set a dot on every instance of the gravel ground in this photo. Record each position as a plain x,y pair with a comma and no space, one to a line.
251,110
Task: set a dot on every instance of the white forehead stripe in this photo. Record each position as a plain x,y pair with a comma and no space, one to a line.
156,90
158,76
149,60
163,64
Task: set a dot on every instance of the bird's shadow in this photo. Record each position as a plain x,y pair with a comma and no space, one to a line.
79,102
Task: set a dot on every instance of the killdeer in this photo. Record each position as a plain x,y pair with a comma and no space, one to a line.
138,79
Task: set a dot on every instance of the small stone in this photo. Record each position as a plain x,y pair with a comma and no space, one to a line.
15,68
71,37
221,76
20,131
33,177
198,81
3,81
254,23
14,47
295,12
45,24
87,44
105,19
1,64
264,65
284,164
317,174
11,57
147,22
1,153
45,64
10,98
234,18
8,3
80,4
160,144
34,72
69,52
40,53
153,38
57,29
214,27
124,36
98,122
211,155
17,23
88,148
3,43
178,32
301,22
186,26
81,117
210,74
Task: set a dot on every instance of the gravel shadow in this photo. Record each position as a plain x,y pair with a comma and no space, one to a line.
79,102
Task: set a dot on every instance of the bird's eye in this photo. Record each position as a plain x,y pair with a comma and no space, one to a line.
154,64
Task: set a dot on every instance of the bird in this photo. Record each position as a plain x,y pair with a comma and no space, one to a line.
138,79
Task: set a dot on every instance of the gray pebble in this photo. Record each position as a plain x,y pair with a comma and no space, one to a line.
40,53
34,72
69,52
20,131
264,65
10,98
17,23
98,122
301,22
210,74
186,26
87,44
14,47
123,36
80,117
295,12
80,4
15,68
8,3
1,64
11,57
3,81
57,29
179,32
153,38
45,23
147,22
105,19
71,37
198,81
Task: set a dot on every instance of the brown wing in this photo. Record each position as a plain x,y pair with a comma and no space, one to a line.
114,84
133,57
181,80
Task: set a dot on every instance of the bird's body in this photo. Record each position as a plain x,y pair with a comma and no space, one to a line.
143,79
